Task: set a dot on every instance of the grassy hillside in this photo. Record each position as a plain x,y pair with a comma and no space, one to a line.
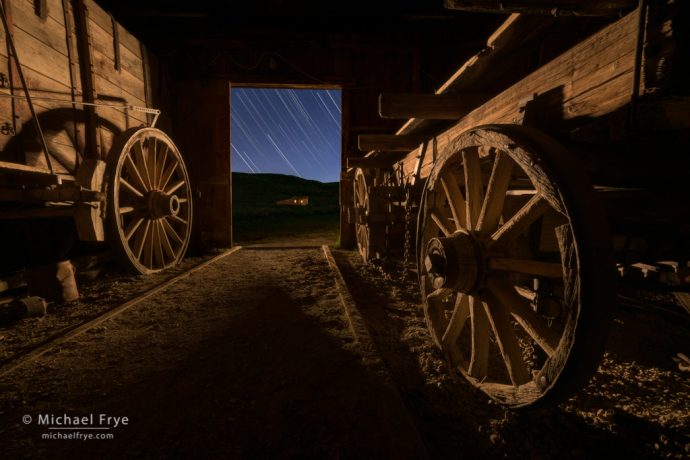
257,216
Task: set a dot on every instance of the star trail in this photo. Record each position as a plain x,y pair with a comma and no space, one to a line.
287,131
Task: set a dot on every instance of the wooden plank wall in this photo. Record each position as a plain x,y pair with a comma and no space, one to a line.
123,85
43,46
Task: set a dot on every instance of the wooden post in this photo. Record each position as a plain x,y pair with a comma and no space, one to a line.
202,131
347,228
84,47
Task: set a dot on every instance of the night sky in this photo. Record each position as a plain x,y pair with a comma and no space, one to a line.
286,131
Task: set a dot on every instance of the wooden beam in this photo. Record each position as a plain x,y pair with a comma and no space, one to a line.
447,106
511,41
611,8
389,142
380,160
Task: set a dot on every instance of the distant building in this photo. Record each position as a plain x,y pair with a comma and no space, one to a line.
295,201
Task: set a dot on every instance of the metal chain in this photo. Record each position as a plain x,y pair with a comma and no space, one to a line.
407,246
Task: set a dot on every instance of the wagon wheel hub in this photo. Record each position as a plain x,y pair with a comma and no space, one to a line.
456,262
162,204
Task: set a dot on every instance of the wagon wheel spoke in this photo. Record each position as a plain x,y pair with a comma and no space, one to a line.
456,323
523,218
133,227
163,160
178,219
165,240
131,188
151,160
455,199
148,246
171,231
474,193
434,303
158,244
142,164
499,318
441,221
495,194
527,267
461,312
526,317
167,174
174,187
135,175
141,238
126,209
479,360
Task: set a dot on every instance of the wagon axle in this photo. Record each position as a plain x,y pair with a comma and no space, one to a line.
161,204
456,262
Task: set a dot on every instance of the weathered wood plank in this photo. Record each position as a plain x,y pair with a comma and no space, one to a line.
132,87
42,85
50,32
102,41
40,57
102,18
110,93
54,9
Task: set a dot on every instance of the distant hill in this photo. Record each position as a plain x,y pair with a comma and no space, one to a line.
251,192
256,214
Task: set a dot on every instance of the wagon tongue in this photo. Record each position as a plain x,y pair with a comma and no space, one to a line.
456,262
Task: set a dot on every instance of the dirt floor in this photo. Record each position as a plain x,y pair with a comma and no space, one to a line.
253,357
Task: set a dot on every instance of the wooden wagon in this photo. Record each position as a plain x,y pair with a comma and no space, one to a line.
559,173
77,136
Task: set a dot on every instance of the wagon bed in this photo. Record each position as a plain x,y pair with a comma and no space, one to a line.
78,136
537,191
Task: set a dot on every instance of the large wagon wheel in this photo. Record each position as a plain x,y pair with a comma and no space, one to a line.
516,272
149,210
362,229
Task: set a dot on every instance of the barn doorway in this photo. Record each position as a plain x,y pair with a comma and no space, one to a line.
286,156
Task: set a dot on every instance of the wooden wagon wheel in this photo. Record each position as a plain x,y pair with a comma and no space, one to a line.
149,209
516,272
362,230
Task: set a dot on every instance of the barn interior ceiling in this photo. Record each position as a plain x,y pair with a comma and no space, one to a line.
305,41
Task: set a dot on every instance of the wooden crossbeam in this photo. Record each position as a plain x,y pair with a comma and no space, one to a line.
389,142
611,8
379,160
446,106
